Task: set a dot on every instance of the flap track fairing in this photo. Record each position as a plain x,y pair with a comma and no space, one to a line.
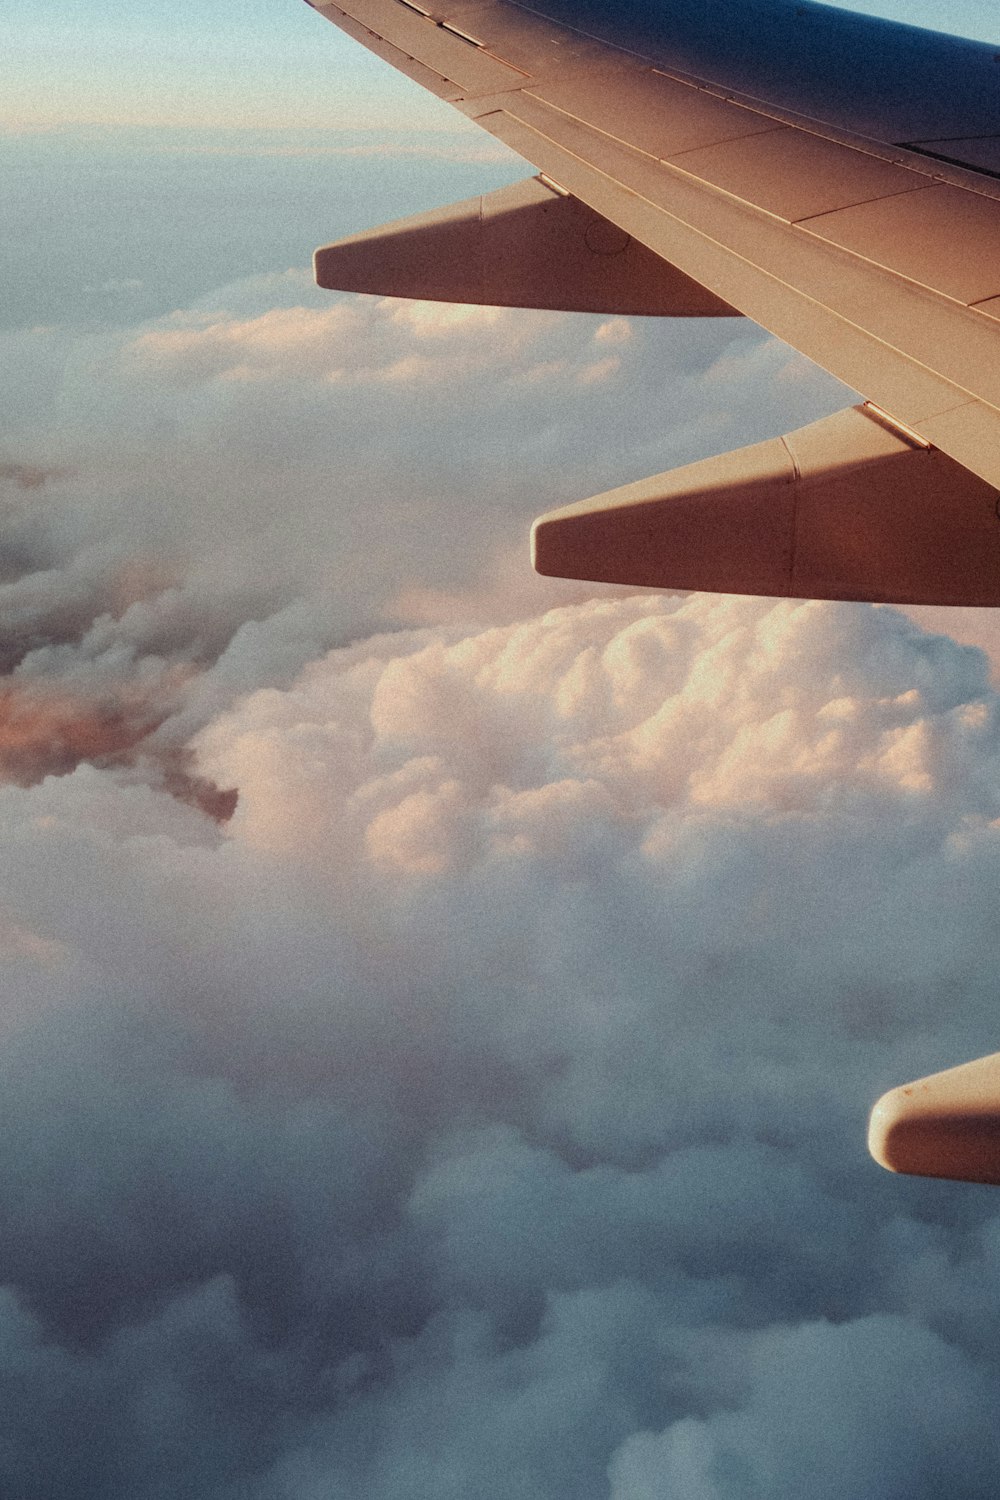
531,245
852,507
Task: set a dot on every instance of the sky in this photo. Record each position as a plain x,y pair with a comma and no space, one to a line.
441,1006
222,63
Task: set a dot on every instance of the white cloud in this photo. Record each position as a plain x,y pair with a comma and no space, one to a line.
275,452
821,1404
479,1110
494,1082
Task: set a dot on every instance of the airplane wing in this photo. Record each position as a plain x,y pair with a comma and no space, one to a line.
832,177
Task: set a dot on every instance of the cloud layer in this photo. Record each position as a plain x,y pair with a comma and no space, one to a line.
195,506
440,1006
482,1112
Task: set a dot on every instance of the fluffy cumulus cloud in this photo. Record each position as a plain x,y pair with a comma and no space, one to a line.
480,1110
196,505
440,1008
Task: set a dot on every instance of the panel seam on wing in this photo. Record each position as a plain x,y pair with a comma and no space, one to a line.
728,250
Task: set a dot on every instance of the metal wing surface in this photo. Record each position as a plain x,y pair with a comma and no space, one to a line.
835,179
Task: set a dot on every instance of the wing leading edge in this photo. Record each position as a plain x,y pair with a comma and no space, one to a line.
669,193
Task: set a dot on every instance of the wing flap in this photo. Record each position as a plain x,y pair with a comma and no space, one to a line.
847,508
794,174
942,237
649,111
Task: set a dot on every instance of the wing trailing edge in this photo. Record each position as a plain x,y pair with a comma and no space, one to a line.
853,507
530,245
